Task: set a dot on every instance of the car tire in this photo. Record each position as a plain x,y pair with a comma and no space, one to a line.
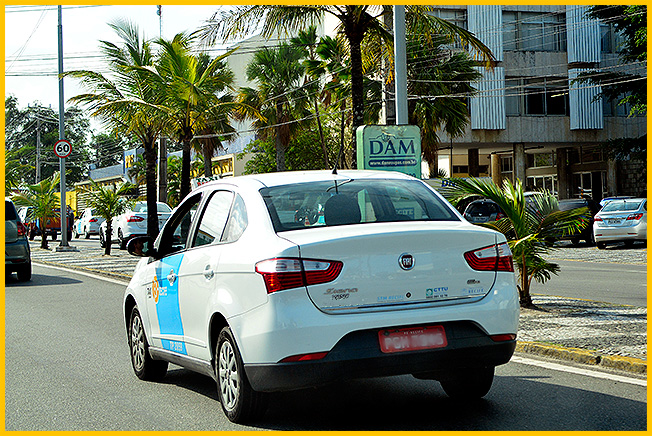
240,402
122,240
54,236
575,242
591,240
144,366
601,245
468,383
24,273
86,234
629,244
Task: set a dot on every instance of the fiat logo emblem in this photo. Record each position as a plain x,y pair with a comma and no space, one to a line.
406,261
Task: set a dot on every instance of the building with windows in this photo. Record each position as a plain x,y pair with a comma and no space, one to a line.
530,120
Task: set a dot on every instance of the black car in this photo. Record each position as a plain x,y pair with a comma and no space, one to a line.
586,233
17,252
483,211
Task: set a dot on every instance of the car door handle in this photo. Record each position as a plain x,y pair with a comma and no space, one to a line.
172,277
208,272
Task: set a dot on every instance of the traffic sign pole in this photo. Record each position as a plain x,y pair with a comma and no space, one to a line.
62,148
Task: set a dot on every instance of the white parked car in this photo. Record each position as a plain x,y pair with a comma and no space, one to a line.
87,224
282,281
133,223
621,220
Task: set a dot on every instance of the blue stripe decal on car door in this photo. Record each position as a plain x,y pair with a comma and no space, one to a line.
167,303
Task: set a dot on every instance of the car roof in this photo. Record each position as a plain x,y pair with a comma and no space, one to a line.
296,177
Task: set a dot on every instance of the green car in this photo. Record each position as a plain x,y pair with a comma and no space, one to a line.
17,253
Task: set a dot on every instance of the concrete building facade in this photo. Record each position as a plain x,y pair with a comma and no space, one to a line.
530,120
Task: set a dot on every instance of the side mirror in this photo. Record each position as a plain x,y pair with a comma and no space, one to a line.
141,246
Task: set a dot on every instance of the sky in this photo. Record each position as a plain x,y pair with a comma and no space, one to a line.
31,42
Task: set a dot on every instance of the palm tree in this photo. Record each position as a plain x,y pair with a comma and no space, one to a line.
279,96
42,198
529,225
355,23
334,61
130,102
193,84
307,41
108,202
174,180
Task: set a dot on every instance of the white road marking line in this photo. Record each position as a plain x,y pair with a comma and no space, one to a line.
83,273
580,371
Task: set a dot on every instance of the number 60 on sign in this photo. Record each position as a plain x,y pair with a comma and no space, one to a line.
62,148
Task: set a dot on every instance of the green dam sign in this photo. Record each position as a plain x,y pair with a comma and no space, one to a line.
390,148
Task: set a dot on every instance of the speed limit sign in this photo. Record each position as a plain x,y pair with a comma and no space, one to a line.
62,148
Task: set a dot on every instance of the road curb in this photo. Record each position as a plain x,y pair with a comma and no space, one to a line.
629,364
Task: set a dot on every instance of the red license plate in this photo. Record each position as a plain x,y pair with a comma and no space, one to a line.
411,339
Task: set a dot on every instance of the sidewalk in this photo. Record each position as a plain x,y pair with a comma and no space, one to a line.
582,331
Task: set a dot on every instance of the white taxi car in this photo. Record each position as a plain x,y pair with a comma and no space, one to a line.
289,280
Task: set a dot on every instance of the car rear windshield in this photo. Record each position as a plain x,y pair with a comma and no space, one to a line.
484,208
621,205
330,203
10,211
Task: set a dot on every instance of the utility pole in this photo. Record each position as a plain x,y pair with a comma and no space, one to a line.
62,135
38,149
162,143
400,66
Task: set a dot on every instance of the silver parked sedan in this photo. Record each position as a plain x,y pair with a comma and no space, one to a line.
621,221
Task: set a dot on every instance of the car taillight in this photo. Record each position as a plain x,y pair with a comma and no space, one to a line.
22,230
635,216
497,257
92,220
305,357
288,273
597,218
135,219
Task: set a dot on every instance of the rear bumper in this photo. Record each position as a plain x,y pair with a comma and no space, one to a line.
16,255
615,234
358,355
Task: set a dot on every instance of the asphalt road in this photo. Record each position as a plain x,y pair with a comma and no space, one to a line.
67,368
615,283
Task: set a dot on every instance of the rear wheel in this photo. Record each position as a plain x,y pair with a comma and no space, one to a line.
575,241
629,244
469,383
24,273
86,234
144,366
240,402
122,240
601,245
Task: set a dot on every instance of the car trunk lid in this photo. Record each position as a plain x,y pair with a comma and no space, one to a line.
390,266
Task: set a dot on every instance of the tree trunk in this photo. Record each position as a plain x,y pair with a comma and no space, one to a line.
184,189
152,192
107,238
280,154
208,163
321,136
357,82
44,235
525,298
